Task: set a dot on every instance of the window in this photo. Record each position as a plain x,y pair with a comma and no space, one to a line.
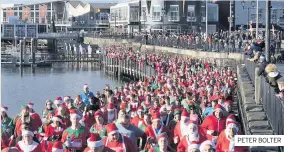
4,14
174,13
20,8
43,20
191,13
15,13
203,14
20,15
143,13
156,13
15,8
36,7
49,6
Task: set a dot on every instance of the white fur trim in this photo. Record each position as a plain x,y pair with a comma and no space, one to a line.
66,98
207,142
193,146
27,148
273,74
184,117
229,119
30,106
156,119
113,132
110,109
27,132
95,143
74,115
85,86
232,125
3,109
56,119
58,102
57,150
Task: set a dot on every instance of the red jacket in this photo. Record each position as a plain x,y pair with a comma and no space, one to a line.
212,123
223,144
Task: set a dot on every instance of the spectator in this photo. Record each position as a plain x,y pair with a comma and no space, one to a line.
280,83
273,75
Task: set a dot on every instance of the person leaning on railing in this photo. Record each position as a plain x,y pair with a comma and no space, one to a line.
273,75
280,83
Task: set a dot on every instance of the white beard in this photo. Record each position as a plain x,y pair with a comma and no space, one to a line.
193,136
184,128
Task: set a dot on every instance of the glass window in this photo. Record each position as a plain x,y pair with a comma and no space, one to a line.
156,13
49,6
20,8
20,14
15,13
174,12
15,8
191,10
36,7
4,14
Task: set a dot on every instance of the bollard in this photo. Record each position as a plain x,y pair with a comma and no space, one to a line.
257,84
21,52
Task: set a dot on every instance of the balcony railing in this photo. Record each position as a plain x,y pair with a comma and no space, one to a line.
174,18
156,18
191,19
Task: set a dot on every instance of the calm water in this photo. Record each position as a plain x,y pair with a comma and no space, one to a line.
40,84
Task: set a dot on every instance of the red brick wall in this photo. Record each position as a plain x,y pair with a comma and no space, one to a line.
9,12
26,13
42,13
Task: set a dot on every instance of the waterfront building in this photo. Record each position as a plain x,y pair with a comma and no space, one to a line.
157,15
245,13
67,15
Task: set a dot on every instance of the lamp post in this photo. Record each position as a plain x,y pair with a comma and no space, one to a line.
163,13
248,8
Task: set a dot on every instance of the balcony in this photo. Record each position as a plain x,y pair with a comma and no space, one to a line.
156,18
191,19
174,18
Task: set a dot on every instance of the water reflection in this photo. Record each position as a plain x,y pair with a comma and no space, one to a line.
39,84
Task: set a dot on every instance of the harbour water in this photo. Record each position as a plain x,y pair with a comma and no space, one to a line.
39,84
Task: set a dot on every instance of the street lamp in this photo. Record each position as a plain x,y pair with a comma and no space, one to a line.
248,8
163,13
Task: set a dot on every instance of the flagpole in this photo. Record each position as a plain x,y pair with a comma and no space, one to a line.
206,17
257,16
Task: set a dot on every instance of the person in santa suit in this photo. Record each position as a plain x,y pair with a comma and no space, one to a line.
207,146
34,115
57,102
48,109
27,144
226,140
7,127
57,147
214,124
89,119
132,106
155,129
10,149
62,111
177,115
166,116
24,117
192,140
53,132
181,128
155,108
162,145
99,126
96,144
117,142
139,118
110,114
147,103
75,136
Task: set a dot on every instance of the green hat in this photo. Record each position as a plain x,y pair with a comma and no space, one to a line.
24,106
177,112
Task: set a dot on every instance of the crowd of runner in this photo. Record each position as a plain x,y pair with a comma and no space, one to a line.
185,107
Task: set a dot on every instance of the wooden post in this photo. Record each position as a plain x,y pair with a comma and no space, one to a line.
21,52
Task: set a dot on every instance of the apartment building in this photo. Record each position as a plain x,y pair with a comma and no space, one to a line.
67,15
158,16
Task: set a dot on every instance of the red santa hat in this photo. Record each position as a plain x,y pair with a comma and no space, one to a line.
57,147
184,114
111,129
27,132
232,124
156,116
85,86
231,117
57,118
66,98
162,135
73,113
140,108
161,94
218,107
206,142
95,140
228,102
30,105
4,109
110,107
58,100
98,113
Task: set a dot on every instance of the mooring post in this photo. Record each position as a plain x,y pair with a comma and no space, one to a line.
21,52
32,52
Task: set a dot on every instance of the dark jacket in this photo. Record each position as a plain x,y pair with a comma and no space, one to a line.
273,82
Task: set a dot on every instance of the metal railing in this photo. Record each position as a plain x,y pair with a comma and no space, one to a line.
250,66
274,108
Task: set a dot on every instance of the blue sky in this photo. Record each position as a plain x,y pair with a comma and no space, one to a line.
37,1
